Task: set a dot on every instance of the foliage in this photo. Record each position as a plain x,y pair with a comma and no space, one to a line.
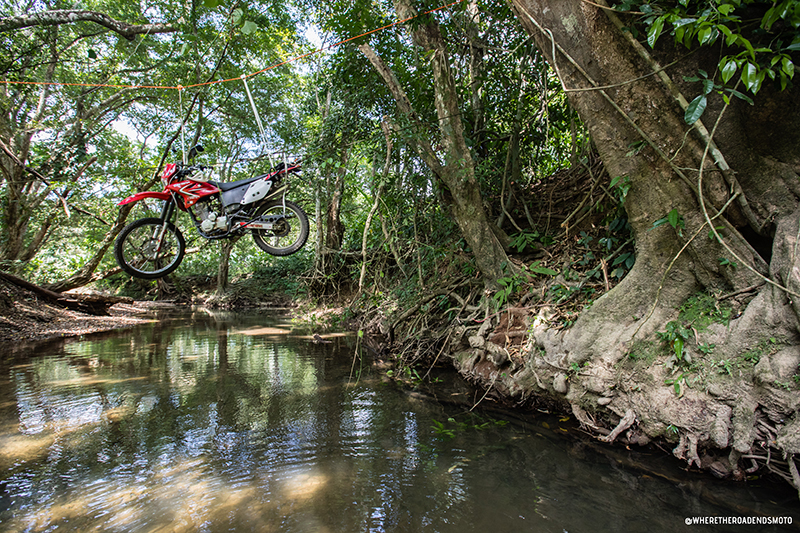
696,107
759,37
702,310
674,219
696,315
761,33
512,284
764,347
94,136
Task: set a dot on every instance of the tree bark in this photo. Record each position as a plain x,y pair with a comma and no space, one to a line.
223,269
334,236
71,16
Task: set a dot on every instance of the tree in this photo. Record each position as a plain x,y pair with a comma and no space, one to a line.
714,205
45,149
458,170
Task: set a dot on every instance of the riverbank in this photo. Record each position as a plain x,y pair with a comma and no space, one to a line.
24,317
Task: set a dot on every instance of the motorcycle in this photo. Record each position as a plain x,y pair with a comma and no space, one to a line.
151,248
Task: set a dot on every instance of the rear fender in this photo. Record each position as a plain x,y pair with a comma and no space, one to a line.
158,195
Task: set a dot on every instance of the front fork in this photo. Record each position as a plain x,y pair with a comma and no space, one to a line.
166,214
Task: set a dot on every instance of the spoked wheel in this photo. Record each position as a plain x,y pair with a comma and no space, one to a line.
289,228
149,248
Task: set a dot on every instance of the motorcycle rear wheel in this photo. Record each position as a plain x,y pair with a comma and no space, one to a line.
137,252
289,232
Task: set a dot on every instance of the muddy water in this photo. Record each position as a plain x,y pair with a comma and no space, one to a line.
235,423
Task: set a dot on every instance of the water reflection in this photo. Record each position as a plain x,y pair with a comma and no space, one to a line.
225,422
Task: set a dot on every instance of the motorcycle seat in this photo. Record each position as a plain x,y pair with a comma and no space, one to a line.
229,186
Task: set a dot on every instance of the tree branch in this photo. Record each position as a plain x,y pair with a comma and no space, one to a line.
69,16
422,145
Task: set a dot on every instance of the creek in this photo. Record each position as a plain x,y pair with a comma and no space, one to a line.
237,422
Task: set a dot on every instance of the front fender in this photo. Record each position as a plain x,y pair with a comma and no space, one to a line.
158,195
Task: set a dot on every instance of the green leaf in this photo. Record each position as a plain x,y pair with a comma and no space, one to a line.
683,22
212,4
744,42
759,80
535,268
788,67
92,54
659,222
750,77
677,347
621,259
236,16
725,9
673,218
728,70
654,31
707,35
770,17
695,109
249,27
742,96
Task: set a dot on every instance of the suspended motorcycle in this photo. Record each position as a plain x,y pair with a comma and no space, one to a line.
151,248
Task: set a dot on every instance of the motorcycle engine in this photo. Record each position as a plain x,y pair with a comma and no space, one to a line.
209,221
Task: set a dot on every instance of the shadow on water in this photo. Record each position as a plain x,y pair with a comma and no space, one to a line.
229,422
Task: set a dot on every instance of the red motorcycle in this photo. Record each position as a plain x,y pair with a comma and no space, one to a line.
151,248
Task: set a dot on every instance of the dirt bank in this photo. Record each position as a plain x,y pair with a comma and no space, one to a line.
24,317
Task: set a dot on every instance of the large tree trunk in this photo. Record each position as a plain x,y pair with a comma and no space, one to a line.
758,159
223,269
646,112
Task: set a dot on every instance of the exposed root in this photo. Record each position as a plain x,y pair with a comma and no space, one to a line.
626,422
584,418
793,471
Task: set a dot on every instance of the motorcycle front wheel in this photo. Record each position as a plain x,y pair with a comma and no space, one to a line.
149,248
289,228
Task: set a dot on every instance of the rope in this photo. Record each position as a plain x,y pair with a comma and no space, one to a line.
183,122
